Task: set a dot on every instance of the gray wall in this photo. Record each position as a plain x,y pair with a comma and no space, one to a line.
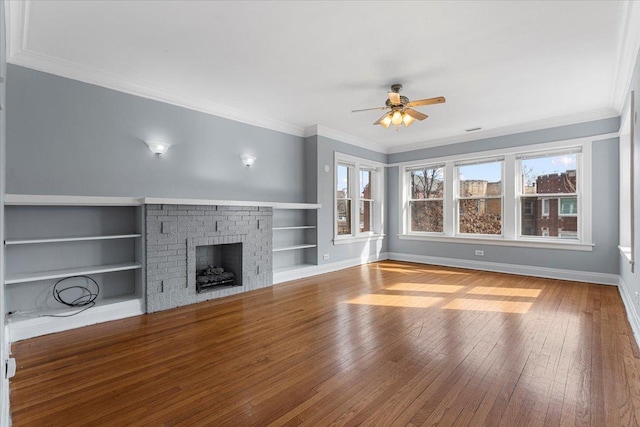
632,278
68,137
603,259
326,193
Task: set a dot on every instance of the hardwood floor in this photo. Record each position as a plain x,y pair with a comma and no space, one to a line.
384,344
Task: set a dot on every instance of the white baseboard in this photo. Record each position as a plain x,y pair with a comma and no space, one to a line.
36,326
632,312
523,270
315,270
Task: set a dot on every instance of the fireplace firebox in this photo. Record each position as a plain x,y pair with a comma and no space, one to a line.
218,266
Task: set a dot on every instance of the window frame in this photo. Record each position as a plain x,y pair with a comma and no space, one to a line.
377,197
545,206
407,209
458,198
511,206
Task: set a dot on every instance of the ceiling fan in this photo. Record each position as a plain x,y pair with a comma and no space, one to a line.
401,110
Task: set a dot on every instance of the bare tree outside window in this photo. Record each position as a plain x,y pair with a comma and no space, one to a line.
426,199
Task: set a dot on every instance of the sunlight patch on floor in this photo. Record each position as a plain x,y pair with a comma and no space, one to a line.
425,287
396,300
505,292
488,305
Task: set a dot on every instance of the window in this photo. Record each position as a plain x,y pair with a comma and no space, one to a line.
545,207
426,192
358,198
343,199
568,206
366,200
480,198
551,178
533,196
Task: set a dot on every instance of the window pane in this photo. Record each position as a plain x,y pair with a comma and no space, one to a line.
342,182
543,219
427,183
480,216
426,216
484,179
365,184
344,216
568,206
554,174
365,215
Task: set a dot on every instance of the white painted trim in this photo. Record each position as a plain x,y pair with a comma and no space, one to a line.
36,326
500,241
83,73
532,149
55,200
626,52
346,240
308,271
632,312
522,270
5,415
274,205
571,119
320,130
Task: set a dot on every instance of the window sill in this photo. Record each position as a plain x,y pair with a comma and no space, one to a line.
626,253
349,239
500,241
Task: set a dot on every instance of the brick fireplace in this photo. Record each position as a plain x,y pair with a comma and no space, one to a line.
173,234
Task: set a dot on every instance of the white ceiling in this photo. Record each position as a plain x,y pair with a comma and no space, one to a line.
291,65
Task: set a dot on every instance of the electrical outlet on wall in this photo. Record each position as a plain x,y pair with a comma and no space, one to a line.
479,253
325,256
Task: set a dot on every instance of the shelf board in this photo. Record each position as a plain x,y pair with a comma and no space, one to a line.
58,274
49,200
9,242
295,227
294,247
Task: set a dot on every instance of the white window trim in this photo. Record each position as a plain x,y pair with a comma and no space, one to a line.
568,196
545,201
456,201
378,199
510,236
407,211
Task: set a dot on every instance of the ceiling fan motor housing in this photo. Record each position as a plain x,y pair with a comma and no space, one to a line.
403,100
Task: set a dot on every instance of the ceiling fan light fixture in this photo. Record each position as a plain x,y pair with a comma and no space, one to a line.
407,120
386,122
396,118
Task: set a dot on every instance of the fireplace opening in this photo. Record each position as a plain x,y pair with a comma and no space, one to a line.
218,266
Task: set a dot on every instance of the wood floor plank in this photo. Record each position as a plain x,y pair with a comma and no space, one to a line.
385,344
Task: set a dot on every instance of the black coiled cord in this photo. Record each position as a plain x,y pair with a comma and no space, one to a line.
87,299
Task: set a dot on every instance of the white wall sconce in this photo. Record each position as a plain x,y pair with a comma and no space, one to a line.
247,160
157,147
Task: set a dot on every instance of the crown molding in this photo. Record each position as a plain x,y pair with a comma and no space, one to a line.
626,53
344,137
570,119
67,69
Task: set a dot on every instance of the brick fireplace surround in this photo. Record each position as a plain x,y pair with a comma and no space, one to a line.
174,231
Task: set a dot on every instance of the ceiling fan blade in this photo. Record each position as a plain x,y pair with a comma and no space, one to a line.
436,100
415,114
394,98
381,122
369,109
